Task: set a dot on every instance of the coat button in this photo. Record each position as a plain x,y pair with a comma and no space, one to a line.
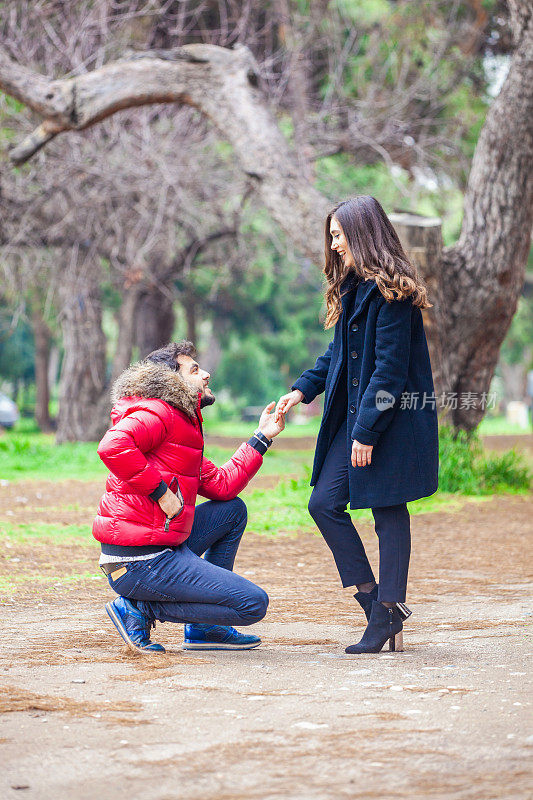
354,354
355,327
352,409
355,382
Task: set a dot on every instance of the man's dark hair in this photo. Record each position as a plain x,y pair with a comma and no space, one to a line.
168,355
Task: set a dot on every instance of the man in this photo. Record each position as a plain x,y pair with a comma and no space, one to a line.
151,532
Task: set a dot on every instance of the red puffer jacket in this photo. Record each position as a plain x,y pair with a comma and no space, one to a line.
157,435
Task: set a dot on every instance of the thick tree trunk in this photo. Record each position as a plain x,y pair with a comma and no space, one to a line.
127,321
483,274
476,283
421,238
211,355
42,338
154,324
190,307
84,365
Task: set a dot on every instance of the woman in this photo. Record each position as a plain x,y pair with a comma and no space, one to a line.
378,442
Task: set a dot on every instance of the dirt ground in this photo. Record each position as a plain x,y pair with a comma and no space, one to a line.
296,718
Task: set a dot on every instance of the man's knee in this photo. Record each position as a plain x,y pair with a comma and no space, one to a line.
239,509
256,606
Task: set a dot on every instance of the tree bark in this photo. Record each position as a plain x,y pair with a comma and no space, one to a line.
476,283
42,338
483,274
154,321
127,320
421,238
83,370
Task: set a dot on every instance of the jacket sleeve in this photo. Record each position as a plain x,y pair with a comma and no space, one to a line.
312,382
123,447
393,345
225,482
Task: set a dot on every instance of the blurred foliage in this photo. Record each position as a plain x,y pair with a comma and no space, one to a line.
16,347
465,468
517,347
264,306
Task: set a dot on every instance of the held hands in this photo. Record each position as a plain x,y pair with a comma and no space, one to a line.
269,424
170,504
361,454
286,402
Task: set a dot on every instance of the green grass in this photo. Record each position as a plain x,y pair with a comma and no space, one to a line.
489,426
36,456
244,430
25,533
275,462
499,426
29,455
284,508
466,468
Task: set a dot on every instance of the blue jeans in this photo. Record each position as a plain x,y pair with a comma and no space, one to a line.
180,586
327,505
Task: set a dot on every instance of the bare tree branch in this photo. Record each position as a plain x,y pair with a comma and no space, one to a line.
222,85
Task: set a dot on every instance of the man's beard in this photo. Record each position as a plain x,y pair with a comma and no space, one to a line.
207,400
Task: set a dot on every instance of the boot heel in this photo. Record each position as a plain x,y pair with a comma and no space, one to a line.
384,626
396,643
403,610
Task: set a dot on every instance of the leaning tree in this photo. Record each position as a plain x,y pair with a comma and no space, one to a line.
475,284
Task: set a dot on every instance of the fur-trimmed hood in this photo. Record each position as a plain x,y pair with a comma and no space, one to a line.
155,381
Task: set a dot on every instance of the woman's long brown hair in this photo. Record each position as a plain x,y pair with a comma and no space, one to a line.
377,253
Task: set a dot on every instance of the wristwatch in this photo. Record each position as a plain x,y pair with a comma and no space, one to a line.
262,438
260,442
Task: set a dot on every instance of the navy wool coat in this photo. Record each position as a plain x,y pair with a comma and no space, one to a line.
379,353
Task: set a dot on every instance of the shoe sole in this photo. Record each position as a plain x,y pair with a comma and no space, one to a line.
209,646
117,622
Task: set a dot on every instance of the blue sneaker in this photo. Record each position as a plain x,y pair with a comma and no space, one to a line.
218,637
133,626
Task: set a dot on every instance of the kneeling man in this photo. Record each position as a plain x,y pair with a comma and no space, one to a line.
152,535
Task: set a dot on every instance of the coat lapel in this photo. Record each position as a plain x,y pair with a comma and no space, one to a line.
365,289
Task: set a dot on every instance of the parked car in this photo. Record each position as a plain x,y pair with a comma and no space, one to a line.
9,413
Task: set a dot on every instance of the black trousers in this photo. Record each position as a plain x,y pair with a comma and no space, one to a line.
327,505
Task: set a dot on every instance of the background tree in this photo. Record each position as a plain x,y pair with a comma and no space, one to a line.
377,81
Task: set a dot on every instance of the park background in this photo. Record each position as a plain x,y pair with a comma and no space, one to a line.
151,226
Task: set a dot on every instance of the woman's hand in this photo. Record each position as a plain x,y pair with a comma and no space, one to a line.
288,401
361,454
269,425
170,503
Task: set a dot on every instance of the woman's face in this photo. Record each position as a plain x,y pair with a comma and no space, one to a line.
339,243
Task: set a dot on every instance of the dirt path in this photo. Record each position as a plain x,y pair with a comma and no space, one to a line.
448,718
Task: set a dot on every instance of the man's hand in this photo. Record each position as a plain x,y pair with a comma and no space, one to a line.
170,504
269,425
287,402
361,454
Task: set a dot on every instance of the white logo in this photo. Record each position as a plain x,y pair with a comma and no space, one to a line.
384,399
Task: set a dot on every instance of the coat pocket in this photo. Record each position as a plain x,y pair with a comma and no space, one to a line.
174,486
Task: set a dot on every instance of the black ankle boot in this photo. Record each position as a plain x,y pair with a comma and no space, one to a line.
365,600
384,624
